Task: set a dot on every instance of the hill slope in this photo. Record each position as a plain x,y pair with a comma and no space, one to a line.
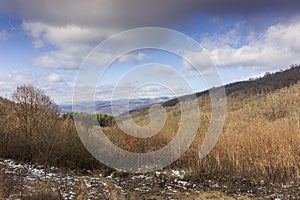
260,137
267,83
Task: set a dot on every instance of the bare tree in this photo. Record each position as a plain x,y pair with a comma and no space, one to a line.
37,116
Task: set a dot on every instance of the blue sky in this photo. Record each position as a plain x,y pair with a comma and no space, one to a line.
45,42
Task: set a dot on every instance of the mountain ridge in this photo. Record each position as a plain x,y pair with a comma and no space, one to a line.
268,83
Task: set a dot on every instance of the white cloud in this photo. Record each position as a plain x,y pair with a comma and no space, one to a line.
71,37
54,85
163,69
200,58
57,59
277,47
196,63
132,57
54,78
3,35
9,82
285,36
101,58
73,43
73,29
230,38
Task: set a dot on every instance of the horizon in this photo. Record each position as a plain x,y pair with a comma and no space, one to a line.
173,97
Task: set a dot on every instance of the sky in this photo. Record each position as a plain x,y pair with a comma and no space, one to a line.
46,44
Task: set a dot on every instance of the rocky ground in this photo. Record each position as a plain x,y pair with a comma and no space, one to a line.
24,181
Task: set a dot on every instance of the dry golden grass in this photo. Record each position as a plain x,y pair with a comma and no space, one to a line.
260,139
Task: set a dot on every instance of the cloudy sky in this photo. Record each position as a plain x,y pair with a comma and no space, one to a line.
44,43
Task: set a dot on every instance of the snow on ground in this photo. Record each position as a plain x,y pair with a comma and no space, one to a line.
165,184
66,183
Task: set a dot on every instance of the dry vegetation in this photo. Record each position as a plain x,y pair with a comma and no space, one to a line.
32,130
260,139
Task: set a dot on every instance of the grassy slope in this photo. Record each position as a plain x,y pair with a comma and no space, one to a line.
261,136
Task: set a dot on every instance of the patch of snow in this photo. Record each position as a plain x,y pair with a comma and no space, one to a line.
179,174
183,183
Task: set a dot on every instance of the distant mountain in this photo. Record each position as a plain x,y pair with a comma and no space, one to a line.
120,106
268,83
